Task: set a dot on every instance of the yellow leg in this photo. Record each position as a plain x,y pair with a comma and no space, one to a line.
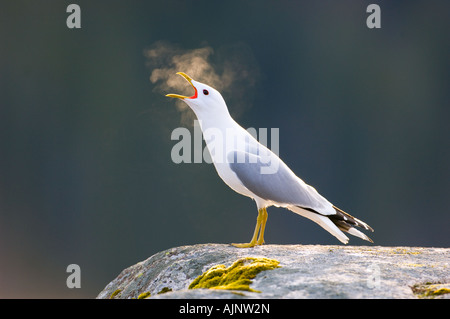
263,227
260,227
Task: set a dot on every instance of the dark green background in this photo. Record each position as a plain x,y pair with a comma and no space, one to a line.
85,170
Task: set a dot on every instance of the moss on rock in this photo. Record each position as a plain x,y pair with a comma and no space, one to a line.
430,290
115,293
143,295
236,277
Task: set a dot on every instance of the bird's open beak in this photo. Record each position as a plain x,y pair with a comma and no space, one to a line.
188,78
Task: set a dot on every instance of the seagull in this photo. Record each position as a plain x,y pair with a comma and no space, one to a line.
253,170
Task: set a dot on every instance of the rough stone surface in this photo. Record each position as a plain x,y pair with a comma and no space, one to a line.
306,271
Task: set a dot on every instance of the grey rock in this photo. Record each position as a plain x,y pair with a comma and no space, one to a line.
306,271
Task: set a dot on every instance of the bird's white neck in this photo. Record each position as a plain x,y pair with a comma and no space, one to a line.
220,121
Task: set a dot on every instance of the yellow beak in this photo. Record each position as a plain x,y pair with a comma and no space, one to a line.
189,79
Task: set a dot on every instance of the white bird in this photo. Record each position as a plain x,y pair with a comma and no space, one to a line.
251,169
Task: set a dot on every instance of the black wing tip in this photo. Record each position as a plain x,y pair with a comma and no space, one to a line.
349,219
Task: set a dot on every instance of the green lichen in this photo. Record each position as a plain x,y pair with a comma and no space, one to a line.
430,290
115,293
403,251
415,265
440,291
236,277
164,290
143,295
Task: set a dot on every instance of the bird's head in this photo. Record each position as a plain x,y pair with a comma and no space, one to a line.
205,99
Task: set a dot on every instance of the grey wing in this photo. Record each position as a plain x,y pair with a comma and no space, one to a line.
271,179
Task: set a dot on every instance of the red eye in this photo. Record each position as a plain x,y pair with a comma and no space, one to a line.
205,92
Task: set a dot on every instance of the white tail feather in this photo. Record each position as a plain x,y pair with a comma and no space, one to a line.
357,233
323,221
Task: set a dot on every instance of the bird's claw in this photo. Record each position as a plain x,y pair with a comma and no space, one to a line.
248,245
